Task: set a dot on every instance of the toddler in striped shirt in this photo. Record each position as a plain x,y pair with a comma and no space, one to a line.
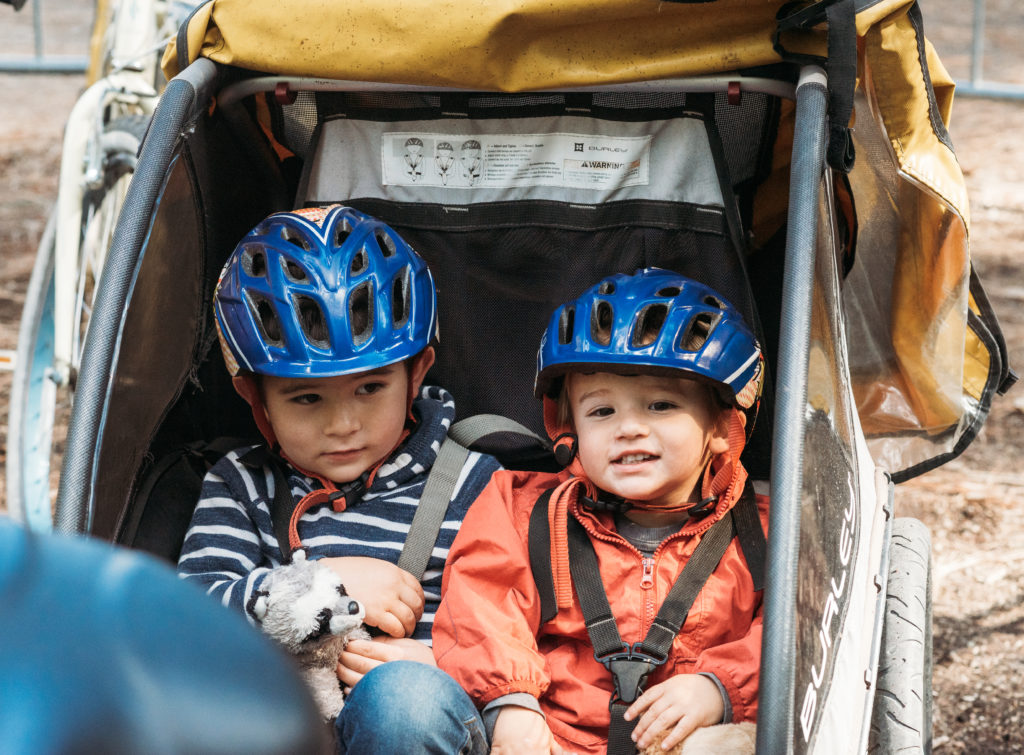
327,318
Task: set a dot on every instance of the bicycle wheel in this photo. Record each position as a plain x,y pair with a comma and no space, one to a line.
33,398
100,209
42,394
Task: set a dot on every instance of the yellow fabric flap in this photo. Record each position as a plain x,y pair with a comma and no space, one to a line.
472,44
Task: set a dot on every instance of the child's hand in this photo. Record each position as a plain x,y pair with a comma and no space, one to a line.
521,731
360,657
391,597
679,705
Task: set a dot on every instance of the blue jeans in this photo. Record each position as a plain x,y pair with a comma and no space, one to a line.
405,707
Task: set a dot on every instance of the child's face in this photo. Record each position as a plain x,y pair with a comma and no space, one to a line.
646,437
338,427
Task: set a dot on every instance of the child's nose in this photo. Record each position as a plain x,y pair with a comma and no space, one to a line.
631,425
343,421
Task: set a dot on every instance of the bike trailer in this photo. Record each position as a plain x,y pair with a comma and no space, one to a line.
794,156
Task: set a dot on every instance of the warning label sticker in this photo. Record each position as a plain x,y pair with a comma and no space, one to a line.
496,161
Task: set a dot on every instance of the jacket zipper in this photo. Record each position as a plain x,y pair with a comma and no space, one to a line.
647,586
647,579
646,562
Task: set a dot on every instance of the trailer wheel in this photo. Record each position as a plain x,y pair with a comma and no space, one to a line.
901,721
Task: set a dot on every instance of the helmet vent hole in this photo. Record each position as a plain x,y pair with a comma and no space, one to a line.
386,243
267,321
359,263
312,321
670,292
342,231
566,323
648,324
607,288
254,262
360,312
601,323
711,301
295,239
400,300
697,331
294,271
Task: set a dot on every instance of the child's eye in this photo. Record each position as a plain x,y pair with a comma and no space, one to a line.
662,406
306,398
368,389
601,411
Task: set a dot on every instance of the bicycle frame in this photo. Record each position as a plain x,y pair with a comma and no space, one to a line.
135,38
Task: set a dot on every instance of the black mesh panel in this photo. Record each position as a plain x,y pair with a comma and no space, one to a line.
497,287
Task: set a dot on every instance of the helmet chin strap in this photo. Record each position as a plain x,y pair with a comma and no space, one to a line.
247,386
329,492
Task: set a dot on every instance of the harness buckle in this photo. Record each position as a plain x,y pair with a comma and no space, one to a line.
629,668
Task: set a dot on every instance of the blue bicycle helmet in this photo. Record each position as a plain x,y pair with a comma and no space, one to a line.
657,320
322,292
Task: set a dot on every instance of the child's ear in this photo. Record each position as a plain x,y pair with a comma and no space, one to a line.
421,363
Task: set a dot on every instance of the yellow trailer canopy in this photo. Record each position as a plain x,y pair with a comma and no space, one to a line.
478,45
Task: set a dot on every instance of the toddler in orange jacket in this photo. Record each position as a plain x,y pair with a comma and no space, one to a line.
646,382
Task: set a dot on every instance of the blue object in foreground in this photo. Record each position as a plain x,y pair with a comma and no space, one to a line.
104,650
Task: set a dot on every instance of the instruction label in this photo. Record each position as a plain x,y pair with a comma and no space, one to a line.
498,161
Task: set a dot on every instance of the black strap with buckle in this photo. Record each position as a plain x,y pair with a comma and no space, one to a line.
630,665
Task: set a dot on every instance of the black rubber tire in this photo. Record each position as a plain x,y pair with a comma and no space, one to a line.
135,124
121,138
901,720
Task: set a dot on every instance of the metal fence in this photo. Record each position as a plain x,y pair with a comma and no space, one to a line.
39,61
977,84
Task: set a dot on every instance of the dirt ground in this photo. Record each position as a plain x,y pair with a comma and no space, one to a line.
974,505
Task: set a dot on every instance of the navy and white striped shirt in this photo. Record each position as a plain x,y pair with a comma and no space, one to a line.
230,546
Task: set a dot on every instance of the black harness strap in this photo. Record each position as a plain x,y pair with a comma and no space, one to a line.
628,664
283,503
751,534
281,507
539,546
745,517
673,612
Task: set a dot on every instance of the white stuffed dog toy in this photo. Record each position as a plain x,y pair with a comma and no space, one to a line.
304,606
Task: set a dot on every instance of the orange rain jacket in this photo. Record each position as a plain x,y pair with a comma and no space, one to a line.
487,632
